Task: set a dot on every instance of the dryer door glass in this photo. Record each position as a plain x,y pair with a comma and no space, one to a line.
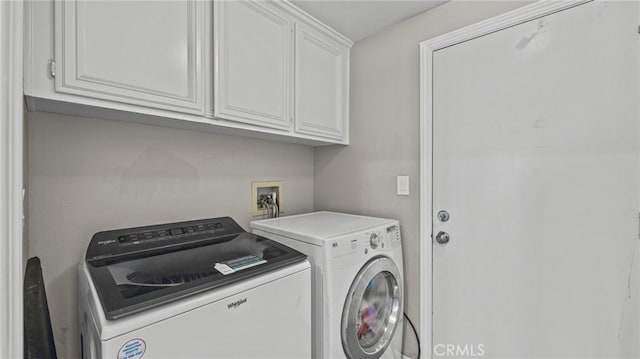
372,309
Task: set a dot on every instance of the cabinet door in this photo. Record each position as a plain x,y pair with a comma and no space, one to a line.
253,51
321,85
146,53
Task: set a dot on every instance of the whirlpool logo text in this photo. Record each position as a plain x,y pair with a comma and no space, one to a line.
236,304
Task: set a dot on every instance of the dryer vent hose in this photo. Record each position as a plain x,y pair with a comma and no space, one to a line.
415,332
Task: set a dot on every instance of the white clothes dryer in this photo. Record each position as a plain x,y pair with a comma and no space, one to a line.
358,282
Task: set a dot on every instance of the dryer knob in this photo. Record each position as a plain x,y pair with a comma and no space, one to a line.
374,240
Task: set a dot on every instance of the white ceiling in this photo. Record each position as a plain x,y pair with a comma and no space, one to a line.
358,19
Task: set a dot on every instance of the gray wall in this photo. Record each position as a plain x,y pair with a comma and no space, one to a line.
385,105
88,175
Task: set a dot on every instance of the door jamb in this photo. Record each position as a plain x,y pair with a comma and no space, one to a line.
427,48
11,178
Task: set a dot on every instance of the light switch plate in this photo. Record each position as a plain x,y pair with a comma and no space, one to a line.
402,188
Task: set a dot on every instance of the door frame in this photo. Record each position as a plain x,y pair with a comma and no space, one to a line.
427,48
11,178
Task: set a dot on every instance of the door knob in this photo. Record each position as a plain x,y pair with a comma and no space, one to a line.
442,237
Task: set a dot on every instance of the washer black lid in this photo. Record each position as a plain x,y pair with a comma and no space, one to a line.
139,268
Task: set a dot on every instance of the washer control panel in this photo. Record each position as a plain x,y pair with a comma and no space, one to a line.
384,238
393,233
377,239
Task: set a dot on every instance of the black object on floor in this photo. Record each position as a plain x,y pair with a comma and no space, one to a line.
38,335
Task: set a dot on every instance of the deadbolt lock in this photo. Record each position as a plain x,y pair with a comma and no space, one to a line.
443,216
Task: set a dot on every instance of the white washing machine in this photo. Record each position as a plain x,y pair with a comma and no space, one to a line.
357,292
197,289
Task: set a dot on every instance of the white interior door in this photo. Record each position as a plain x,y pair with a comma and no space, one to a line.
535,158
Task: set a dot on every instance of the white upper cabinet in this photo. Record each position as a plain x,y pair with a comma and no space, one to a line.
252,68
322,84
146,53
252,61
269,75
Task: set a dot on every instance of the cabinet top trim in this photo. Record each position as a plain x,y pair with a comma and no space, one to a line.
305,17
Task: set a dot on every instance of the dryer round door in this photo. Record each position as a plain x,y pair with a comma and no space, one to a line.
372,310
